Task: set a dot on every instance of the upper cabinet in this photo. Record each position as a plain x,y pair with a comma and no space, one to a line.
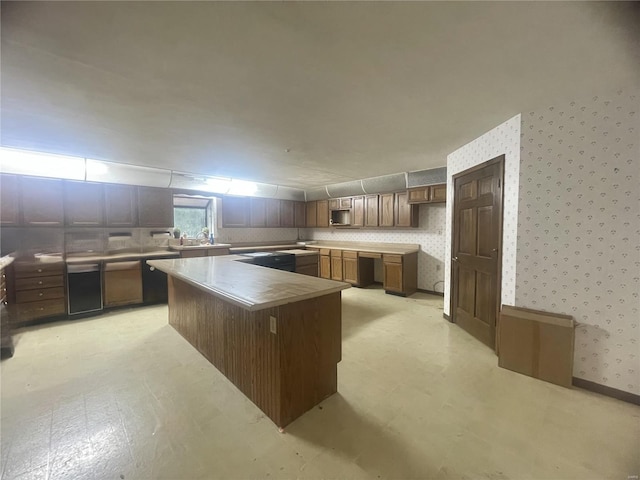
155,207
312,214
300,214
9,200
323,213
287,214
371,211
257,212
357,214
406,214
386,214
120,205
42,201
273,212
428,194
84,204
235,212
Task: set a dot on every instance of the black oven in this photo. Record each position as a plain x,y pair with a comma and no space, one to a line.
277,260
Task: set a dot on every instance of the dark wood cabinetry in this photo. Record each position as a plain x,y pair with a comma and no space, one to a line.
39,290
155,207
84,204
235,212
336,265
9,200
300,215
428,194
257,212
273,212
371,211
350,267
287,216
325,263
406,214
386,215
312,214
357,214
400,273
323,213
120,205
42,201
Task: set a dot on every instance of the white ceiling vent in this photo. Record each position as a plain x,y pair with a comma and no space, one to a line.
318,193
346,189
385,184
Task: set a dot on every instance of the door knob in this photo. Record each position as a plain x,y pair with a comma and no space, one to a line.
455,259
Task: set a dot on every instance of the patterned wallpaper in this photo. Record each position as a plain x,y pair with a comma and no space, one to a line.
430,236
579,228
504,139
244,235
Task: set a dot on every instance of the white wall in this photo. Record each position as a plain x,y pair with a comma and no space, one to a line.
579,228
504,139
429,235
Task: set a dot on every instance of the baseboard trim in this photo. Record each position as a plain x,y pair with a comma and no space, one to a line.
446,317
608,391
431,292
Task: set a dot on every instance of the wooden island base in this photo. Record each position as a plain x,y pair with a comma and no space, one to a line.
284,358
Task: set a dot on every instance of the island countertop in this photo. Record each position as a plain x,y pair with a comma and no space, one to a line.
249,286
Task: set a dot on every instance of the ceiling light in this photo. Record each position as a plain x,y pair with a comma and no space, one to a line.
242,187
24,162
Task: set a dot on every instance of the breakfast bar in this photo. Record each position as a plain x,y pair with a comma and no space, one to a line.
275,335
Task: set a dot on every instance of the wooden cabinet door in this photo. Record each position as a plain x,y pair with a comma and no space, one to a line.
84,204
9,200
121,205
406,214
312,214
42,201
300,218
235,212
392,280
273,212
155,207
336,268
257,212
325,266
438,193
334,204
386,210
287,215
350,270
419,195
323,213
357,214
371,211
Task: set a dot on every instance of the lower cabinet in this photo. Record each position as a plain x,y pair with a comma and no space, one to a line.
39,291
357,268
122,283
350,267
400,273
154,284
307,265
325,263
336,265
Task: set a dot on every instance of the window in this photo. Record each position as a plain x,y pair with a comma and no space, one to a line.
190,220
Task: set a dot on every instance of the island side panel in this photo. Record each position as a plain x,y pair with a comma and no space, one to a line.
284,373
310,334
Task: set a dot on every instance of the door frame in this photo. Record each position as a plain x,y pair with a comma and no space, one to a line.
452,286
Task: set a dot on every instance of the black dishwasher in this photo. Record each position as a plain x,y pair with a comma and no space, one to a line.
154,283
84,288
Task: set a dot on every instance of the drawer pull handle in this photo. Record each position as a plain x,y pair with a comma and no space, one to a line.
40,282
40,294
39,270
41,308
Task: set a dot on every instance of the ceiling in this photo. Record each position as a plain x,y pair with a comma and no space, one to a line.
298,94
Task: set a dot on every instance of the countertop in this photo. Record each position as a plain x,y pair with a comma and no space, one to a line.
199,247
248,286
6,261
118,257
298,252
261,248
389,248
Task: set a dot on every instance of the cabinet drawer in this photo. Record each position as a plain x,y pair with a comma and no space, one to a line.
302,260
44,308
392,258
23,270
348,254
336,253
324,251
32,283
40,294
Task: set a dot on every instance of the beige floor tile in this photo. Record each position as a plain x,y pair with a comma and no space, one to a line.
122,395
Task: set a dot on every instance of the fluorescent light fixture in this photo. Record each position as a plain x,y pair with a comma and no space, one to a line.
24,162
190,181
112,172
242,187
217,184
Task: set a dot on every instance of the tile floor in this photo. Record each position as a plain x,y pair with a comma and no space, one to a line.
123,396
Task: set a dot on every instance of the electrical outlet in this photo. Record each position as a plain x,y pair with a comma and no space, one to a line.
272,324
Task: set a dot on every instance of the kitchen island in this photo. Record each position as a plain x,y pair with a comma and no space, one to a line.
275,335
